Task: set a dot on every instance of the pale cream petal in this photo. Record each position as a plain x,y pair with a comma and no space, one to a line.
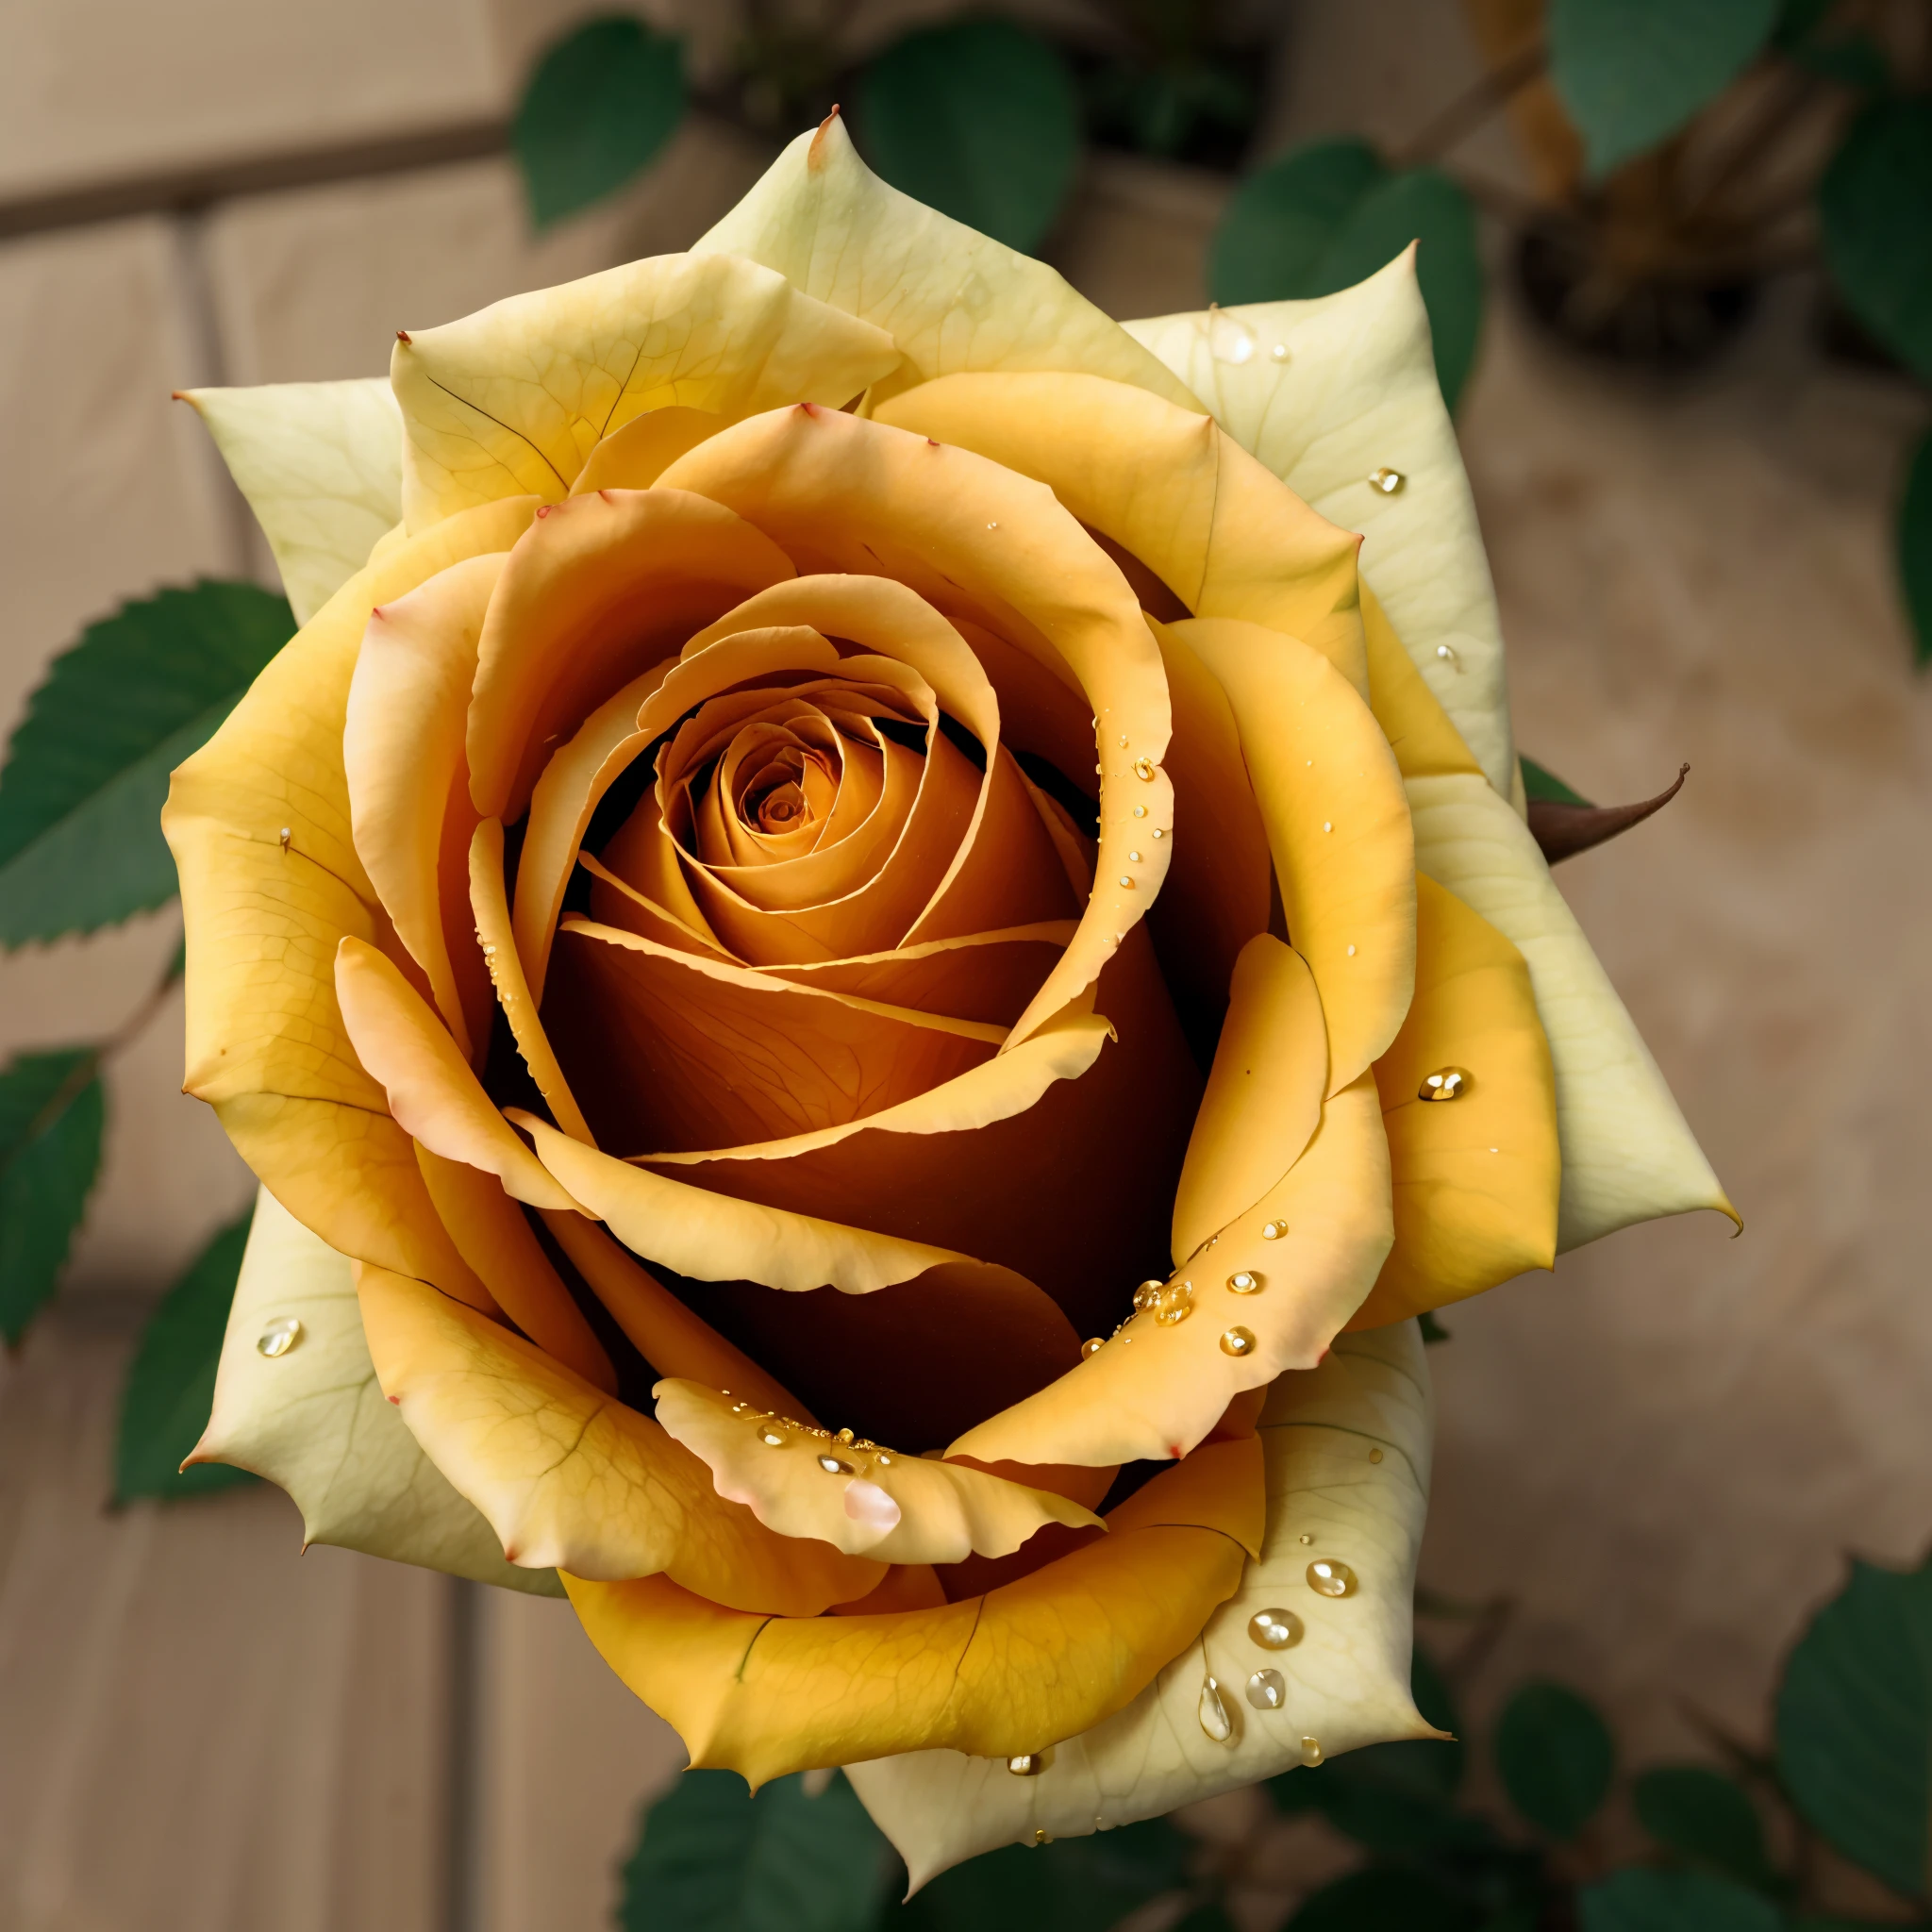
896,1507
1269,1294
1345,1684
1628,1155
713,1238
951,298
1264,1093
512,400
312,1420
1356,393
321,464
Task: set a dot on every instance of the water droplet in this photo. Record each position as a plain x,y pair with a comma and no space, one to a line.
1041,1836
1374,1456
992,526
1267,1690
1445,1083
1311,1752
1147,1294
1140,811
1328,825
1092,1346
1326,1577
1029,1764
1276,1629
1229,340
1447,654
832,1466
1127,879
1305,1537
279,1337
1279,351
1238,1341
885,1459
1214,1718
1143,769
1350,952
1177,1305
1245,1282
1133,859
773,1438
843,1437
1158,833
283,836
1387,480
1123,740
1273,1230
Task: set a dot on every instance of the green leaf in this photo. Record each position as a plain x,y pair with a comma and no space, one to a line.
713,1858
1555,1756
86,773
1074,1885
1645,1900
1538,782
979,119
1387,1898
1706,1817
1854,1722
1874,207
599,105
171,1384
51,1115
1633,71
1328,216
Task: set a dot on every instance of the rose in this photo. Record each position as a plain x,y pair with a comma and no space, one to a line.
655,921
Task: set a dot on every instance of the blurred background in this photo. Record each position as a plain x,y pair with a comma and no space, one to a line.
1651,1468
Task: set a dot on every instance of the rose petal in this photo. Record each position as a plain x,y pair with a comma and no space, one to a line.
980,975
1158,1388
997,1675
1627,1155
266,1045
409,787
919,1510
951,298
1476,1178
321,464
513,399
1356,392
313,1422
634,457
566,1475
1346,1680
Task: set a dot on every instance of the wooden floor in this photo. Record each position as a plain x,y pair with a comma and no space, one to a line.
203,1729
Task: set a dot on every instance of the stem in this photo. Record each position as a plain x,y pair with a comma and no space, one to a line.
1474,105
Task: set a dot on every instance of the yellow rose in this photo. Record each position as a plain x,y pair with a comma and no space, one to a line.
742,916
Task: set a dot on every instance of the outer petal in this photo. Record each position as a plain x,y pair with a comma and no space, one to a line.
1355,392
1345,1683
313,1420
321,464
567,1475
1477,1178
951,298
511,401
1252,1305
998,1676
258,821
869,1502
1627,1154
1332,801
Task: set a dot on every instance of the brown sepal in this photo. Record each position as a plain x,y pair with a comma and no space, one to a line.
1564,830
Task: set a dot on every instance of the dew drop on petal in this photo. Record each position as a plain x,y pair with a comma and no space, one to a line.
1176,1304
1279,351
1387,480
1143,769
773,1438
1214,1718
1273,1230
1229,340
1326,1577
1092,1346
832,1466
1140,811
1445,1083
1305,1537
1238,1341
1245,1281
1127,879
1311,1752
1448,655
1029,1764
1374,1456
1267,1690
279,1337
1276,1629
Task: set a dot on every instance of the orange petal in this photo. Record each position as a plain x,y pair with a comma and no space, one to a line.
1244,1309
599,589
998,1676
867,1501
634,457
1477,1178
564,1473
431,1092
